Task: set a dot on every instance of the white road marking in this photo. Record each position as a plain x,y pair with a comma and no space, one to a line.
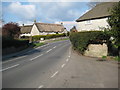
9,67
49,50
35,57
63,65
41,46
41,86
54,74
54,47
14,59
67,60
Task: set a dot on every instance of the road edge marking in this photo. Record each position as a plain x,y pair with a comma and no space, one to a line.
14,59
10,67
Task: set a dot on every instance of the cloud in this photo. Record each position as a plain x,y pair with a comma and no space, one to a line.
22,11
25,23
61,11
48,12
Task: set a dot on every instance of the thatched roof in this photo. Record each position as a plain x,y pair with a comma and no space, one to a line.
43,27
26,29
46,27
99,11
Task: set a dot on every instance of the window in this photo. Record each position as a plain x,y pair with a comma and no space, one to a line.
88,22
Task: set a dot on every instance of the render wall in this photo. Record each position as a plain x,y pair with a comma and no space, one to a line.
91,25
35,31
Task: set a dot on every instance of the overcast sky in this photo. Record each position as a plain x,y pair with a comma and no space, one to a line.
46,12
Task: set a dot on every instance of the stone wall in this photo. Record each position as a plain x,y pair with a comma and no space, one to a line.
96,50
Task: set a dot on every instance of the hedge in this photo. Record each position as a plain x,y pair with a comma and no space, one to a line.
7,42
80,40
37,37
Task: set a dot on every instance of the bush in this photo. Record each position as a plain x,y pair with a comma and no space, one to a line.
80,40
50,36
7,42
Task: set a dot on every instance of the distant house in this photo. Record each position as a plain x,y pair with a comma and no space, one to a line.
42,29
26,30
96,18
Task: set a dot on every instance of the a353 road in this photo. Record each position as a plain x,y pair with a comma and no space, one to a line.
55,65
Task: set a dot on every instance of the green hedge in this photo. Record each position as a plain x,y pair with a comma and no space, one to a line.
37,37
80,40
6,43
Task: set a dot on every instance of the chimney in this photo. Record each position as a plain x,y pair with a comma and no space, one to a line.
61,23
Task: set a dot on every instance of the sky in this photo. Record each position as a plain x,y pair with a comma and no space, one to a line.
45,12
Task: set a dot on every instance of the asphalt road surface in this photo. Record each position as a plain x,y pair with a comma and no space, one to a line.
55,65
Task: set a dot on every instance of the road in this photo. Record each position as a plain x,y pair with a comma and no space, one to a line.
55,65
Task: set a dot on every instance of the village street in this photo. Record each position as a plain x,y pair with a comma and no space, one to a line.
56,65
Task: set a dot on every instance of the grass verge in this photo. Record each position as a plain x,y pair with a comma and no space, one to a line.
38,44
117,58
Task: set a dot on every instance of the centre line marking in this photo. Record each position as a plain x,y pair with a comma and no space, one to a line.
49,50
9,67
41,86
54,47
36,57
67,60
54,74
63,65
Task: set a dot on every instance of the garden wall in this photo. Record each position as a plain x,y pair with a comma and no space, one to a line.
96,50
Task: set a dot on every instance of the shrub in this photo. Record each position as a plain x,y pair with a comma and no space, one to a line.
7,42
37,37
80,40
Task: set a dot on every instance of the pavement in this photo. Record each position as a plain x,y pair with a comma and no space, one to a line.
56,65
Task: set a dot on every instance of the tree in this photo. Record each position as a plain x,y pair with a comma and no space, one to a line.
11,30
73,29
114,22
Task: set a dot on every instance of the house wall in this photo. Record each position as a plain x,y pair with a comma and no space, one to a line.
97,24
26,34
34,31
46,33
